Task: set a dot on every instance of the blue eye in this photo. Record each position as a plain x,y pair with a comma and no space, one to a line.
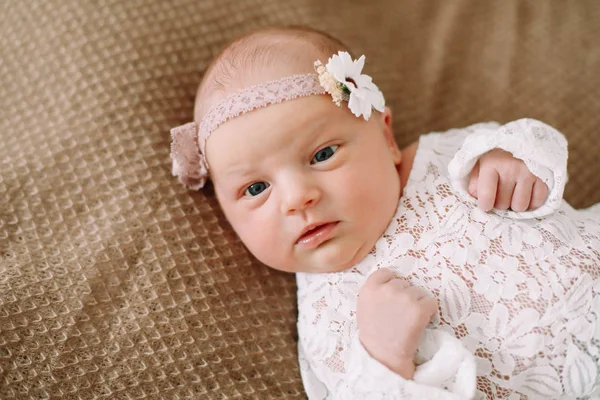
256,188
324,154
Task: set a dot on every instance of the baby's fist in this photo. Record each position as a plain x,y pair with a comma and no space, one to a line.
501,181
391,316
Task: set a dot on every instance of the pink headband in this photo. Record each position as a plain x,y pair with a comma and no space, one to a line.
189,140
341,78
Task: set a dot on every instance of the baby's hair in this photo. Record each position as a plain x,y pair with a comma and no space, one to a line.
271,53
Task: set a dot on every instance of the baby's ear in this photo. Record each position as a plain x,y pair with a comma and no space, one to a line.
386,123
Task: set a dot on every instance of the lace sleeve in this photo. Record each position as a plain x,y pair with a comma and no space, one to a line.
541,147
447,372
335,365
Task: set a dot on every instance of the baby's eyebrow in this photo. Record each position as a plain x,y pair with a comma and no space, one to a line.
318,126
312,132
239,170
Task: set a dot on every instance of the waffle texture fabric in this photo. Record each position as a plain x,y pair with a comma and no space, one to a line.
115,281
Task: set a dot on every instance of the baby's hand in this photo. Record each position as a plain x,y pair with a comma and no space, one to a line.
501,181
391,317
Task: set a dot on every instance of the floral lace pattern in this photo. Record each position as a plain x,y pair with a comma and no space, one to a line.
521,295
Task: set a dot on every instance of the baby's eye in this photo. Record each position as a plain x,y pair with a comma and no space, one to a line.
324,154
256,188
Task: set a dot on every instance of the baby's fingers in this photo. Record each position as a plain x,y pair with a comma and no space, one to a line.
487,186
430,305
504,195
381,276
538,195
522,195
472,188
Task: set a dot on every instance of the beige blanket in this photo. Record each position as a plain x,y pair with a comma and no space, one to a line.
116,282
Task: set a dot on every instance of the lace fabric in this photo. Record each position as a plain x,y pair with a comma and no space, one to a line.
188,146
521,295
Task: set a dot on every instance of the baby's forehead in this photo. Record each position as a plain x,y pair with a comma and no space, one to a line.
296,116
261,57
297,124
290,117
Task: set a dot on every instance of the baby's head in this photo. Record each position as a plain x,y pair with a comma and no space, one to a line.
308,186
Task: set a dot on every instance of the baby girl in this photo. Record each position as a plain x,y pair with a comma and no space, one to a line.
451,269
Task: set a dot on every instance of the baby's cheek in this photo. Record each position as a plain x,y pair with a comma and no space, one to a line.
262,240
374,201
253,237
370,186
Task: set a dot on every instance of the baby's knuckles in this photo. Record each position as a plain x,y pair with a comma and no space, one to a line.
508,167
515,172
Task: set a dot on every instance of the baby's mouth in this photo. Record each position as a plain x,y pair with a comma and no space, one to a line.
314,235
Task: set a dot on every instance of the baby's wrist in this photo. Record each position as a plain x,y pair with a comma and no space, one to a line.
401,365
405,367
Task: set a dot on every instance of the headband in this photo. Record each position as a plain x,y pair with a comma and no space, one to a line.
341,78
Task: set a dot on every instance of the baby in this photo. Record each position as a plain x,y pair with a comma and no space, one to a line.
409,285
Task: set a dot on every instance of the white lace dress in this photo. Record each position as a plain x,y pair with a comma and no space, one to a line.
519,293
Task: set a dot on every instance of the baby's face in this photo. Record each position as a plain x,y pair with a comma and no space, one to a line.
306,185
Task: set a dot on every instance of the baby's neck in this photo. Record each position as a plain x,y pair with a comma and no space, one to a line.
408,157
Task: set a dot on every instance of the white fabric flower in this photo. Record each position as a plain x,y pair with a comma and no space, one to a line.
514,235
364,94
504,338
498,278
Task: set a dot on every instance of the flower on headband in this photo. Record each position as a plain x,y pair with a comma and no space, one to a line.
342,79
331,85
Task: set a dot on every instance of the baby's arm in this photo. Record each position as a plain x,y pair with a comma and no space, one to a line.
377,358
392,316
542,148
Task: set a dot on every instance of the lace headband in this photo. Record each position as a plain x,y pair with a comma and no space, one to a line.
341,78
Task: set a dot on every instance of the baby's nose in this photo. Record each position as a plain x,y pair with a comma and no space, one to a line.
299,196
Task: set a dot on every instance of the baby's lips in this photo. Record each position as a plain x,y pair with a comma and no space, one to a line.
318,234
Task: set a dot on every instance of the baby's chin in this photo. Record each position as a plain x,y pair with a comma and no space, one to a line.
334,255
